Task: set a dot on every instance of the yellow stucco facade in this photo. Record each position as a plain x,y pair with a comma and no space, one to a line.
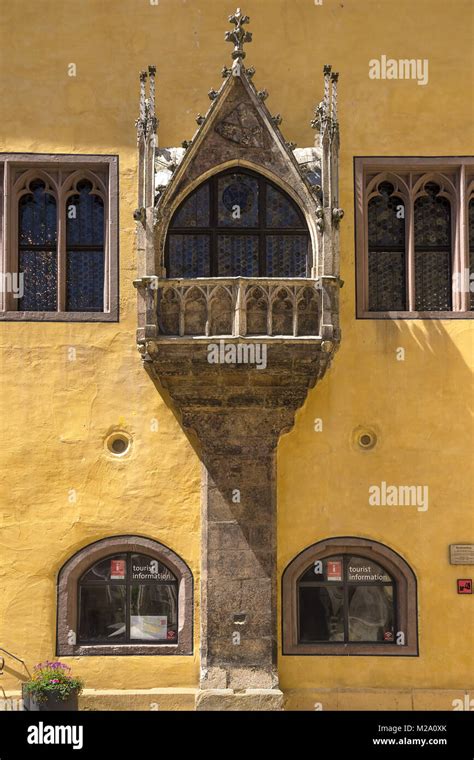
60,488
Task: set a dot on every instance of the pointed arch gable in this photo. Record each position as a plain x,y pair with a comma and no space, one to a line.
238,130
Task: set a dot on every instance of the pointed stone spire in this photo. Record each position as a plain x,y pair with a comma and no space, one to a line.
238,37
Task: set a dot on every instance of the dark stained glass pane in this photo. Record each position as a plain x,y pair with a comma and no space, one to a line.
189,256
432,280
37,217
194,211
471,251
85,250
39,270
37,249
237,255
386,219
84,218
234,201
85,280
432,219
432,251
280,210
237,201
102,612
286,255
387,290
371,615
321,613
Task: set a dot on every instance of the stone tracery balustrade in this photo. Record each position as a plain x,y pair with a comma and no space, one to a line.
239,306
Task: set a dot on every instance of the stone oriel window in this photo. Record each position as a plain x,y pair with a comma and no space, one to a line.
349,596
412,237
59,253
125,595
237,223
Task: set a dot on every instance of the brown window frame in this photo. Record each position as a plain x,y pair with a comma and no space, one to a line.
405,598
68,598
61,173
409,174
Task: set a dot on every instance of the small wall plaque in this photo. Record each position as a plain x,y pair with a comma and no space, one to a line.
464,585
461,554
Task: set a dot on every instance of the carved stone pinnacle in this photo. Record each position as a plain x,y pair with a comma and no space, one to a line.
238,36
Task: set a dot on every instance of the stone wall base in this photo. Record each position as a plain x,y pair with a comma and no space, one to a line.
264,699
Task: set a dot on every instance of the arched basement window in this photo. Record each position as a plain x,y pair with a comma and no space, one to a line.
125,595
349,596
237,223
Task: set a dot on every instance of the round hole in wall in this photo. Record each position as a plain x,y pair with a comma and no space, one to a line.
367,440
118,443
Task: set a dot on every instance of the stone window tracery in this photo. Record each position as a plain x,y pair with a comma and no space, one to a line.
413,246
60,238
237,224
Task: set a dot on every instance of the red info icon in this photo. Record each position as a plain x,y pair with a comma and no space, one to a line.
334,570
464,585
117,569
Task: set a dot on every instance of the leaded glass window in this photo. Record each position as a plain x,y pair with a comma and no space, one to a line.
128,598
346,599
37,250
237,224
387,257
432,251
85,250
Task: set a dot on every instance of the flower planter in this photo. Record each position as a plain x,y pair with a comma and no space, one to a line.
52,703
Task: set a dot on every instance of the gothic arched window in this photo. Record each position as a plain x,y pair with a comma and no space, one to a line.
237,223
387,264
432,250
85,250
37,247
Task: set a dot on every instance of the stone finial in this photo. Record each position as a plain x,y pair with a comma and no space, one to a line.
238,36
334,78
141,121
152,121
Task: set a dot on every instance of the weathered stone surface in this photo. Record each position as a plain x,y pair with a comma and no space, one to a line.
249,699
